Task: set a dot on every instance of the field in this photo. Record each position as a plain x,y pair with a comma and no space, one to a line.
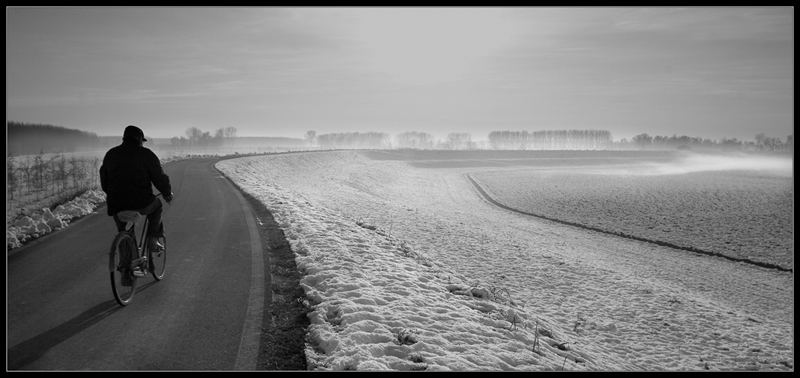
391,240
740,206
742,214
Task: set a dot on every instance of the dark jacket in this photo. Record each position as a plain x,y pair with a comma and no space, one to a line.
126,176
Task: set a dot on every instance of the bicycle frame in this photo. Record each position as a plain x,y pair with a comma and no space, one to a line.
140,242
138,261
132,217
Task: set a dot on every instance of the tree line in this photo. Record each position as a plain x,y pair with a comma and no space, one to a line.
588,139
378,140
352,140
31,138
761,143
26,139
550,140
46,175
197,137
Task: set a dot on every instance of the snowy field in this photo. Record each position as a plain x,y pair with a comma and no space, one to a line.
39,223
406,267
745,214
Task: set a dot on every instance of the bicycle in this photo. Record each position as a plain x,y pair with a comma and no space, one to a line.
127,254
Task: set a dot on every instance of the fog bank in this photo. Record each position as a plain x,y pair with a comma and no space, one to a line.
696,162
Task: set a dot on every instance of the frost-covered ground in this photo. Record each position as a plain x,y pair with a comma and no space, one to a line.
407,268
42,222
744,214
29,219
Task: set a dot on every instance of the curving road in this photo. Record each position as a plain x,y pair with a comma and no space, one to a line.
205,315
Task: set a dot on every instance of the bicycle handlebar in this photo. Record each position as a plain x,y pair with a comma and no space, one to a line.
162,196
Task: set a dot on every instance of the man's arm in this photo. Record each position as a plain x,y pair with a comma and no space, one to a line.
104,175
157,175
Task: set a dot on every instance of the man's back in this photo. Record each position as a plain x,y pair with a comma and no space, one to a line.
126,176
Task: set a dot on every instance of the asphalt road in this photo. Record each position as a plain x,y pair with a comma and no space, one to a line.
205,315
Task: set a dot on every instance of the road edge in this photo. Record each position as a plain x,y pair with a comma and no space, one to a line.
247,356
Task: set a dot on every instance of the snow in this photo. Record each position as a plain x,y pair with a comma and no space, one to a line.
691,209
408,268
38,223
45,221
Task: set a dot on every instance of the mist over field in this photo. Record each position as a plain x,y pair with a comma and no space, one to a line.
689,162
774,164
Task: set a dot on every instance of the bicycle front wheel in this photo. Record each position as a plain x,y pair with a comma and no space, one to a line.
158,260
123,282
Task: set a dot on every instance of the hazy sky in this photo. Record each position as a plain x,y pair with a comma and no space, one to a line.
709,72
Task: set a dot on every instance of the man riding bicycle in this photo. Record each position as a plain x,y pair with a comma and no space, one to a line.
126,176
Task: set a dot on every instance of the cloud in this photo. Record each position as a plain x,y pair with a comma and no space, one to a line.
523,66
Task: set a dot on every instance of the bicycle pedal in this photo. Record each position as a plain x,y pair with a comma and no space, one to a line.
139,273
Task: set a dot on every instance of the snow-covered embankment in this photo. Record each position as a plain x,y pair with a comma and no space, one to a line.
380,304
390,251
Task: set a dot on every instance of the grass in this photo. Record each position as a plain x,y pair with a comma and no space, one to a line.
407,336
416,358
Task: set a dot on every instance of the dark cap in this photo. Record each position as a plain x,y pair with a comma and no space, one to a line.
134,133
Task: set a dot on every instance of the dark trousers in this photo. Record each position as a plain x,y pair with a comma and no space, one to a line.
153,212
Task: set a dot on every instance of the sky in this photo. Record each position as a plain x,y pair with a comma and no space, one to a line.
710,72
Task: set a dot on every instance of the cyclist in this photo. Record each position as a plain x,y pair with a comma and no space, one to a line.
126,176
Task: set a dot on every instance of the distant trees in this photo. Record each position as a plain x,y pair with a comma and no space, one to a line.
550,139
642,140
354,140
414,139
11,176
229,132
310,137
762,143
30,138
46,175
731,143
459,141
765,143
197,137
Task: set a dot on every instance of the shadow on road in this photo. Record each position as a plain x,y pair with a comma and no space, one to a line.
32,349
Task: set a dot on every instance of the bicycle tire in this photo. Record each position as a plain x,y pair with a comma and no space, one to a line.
123,249
158,261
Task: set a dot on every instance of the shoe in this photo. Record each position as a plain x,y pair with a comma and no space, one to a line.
155,246
138,272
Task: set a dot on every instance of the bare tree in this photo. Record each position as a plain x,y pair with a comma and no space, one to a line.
61,171
38,173
194,134
230,132
459,141
643,140
11,176
414,139
95,172
76,171
310,137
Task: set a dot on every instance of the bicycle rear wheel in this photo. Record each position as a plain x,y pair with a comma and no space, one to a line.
123,282
158,260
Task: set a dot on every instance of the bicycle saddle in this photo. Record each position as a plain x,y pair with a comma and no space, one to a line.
128,216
